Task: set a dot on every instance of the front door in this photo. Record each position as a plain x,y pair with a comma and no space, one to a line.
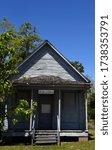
45,111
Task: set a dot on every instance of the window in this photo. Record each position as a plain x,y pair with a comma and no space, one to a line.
45,108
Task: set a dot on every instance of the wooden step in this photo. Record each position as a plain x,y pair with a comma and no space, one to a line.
45,137
45,142
45,132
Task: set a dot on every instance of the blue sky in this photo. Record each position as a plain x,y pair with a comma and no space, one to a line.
67,24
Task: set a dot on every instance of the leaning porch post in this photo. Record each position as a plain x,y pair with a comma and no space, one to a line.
59,118
86,113
31,108
5,127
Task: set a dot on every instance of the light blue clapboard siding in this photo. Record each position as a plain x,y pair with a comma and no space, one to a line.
47,62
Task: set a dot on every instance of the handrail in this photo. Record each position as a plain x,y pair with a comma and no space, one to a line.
58,130
33,129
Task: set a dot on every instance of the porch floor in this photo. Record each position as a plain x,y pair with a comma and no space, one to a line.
63,133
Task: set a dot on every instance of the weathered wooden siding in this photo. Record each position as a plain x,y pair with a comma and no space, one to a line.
73,115
47,62
69,111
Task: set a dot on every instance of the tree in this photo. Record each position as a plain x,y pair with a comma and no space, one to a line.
8,63
26,38
29,39
14,47
23,110
5,25
91,106
78,66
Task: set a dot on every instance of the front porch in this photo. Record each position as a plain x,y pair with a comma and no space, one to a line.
69,105
63,133
46,136
61,110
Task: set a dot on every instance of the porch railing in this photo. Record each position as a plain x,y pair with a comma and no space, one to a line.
33,129
58,130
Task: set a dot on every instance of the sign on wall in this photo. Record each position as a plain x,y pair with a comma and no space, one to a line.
45,91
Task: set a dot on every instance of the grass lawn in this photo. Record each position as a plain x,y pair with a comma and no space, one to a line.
88,145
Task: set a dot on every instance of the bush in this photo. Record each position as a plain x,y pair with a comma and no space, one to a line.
91,106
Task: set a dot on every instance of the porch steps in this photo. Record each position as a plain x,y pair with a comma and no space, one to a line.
45,137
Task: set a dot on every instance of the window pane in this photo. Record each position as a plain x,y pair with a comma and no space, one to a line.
46,108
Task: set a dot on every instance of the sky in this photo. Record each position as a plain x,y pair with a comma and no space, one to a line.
67,24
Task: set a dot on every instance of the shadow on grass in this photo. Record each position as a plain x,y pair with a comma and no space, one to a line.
91,136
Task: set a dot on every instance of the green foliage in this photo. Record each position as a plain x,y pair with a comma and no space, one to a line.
5,25
23,110
8,62
15,45
26,38
91,106
29,38
78,66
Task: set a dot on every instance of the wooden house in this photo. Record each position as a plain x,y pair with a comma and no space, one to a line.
48,77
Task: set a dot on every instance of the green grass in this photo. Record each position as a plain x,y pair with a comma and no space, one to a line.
88,145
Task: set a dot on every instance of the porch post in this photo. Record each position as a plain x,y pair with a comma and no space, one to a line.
59,118
5,127
59,109
31,108
86,113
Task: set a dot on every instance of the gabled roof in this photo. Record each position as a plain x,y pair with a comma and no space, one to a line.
58,53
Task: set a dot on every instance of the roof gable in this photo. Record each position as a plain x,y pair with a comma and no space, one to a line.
47,60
